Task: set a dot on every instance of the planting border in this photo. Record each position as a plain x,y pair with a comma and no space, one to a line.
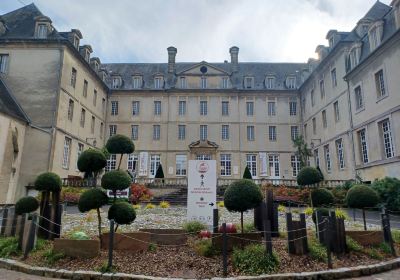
345,272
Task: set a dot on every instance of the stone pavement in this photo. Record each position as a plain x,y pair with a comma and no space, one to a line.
14,275
390,275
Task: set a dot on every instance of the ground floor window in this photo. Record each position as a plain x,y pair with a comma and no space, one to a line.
132,163
316,158
181,165
327,158
274,165
295,165
154,163
251,161
66,152
111,163
226,166
340,153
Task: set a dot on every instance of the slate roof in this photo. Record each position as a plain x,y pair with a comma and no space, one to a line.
8,104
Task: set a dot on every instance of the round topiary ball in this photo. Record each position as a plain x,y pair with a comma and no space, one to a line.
322,212
116,180
361,196
91,160
48,181
92,199
321,197
26,204
308,176
242,195
122,213
120,144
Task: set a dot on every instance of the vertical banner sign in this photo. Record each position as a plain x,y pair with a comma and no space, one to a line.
143,162
263,164
202,191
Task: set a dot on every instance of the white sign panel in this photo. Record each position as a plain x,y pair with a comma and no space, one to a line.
263,165
202,190
143,162
120,194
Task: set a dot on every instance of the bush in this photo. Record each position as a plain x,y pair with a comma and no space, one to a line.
159,172
92,199
247,173
139,193
91,161
150,206
122,213
204,248
48,181
396,235
317,251
321,197
164,204
51,257
116,180
341,214
9,247
26,205
79,235
389,192
120,144
353,245
283,193
254,260
323,212
71,195
361,196
247,227
194,227
308,176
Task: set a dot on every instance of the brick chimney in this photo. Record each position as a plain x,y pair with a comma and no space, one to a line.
171,59
234,51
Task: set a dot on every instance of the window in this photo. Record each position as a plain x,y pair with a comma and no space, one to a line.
226,165
316,158
92,124
387,138
294,132
154,163
42,31
181,165
251,162
312,98
111,163
182,108
103,105
250,108
291,82
203,132
183,82
113,129
203,157
73,77
336,111
295,165
79,152
362,138
322,88
248,82
94,97
250,133
132,163
271,109
333,77
354,57
114,108
203,82
135,108
157,108
70,109
156,132
203,108
225,132
83,116
314,126
134,132
380,84
116,82
158,82
324,120
181,132
293,108
101,130
225,108
270,82
272,133
137,82
359,98
373,38
327,158
305,131
3,63
340,153
85,88
274,165
66,152
224,82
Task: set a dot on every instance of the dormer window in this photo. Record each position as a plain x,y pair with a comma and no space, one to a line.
137,82
96,66
203,82
158,82
375,35
248,82
270,82
87,55
116,82
76,41
291,82
224,82
42,27
354,57
42,31
182,82
331,41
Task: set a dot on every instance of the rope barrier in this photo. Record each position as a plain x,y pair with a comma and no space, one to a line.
49,231
49,221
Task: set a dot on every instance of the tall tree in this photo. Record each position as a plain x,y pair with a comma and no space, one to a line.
303,152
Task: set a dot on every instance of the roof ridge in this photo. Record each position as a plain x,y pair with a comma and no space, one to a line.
32,5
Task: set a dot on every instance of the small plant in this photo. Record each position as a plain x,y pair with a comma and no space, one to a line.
221,204
247,227
150,206
79,235
51,257
164,204
42,244
104,268
353,245
396,235
384,247
308,211
341,214
321,197
139,193
317,250
374,253
120,144
137,206
194,227
9,247
152,247
204,248
254,260
281,208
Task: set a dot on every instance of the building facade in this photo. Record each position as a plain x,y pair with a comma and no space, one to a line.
345,104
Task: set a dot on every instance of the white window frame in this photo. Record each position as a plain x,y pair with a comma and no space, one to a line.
224,82
134,132
271,108
225,165
157,107
363,142
183,83
203,82
66,153
292,108
385,128
380,84
251,162
272,133
225,132
83,117
70,113
74,75
181,132
327,155
250,133
316,158
291,82
203,132
270,82
158,82
181,107
336,111
225,108
114,108
250,108
132,163
4,58
340,153
322,88
116,82
203,108
180,165
111,163
248,82
294,132
135,108
359,98
137,82
156,132
274,162
113,129
155,161
42,30
295,162
333,77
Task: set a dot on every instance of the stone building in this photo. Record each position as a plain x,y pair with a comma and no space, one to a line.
345,103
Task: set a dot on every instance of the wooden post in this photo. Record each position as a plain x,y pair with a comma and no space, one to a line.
289,226
215,220
14,223
387,232
30,244
275,222
4,221
258,216
303,232
110,244
224,250
328,241
21,231
364,220
317,224
354,214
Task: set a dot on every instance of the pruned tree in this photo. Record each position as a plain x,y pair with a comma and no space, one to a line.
247,173
302,150
120,144
116,180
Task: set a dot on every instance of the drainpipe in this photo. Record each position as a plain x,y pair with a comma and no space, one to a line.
351,129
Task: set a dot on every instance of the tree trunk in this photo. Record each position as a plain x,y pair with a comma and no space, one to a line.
116,228
241,221
120,160
99,225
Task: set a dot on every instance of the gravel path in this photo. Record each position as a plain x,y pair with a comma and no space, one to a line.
14,275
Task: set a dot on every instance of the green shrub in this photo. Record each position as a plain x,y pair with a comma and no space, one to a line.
104,268
247,173
361,196
247,227
374,253
26,205
205,248
353,245
91,161
92,199
317,251
79,235
48,181
194,227
322,212
120,144
9,247
396,235
116,180
321,197
389,192
308,176
122,213
152,247
51,257
159,172
384,247
254,260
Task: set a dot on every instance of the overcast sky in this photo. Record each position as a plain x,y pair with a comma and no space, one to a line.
140,31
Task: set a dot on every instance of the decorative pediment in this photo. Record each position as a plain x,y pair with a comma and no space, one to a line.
203,68
203,144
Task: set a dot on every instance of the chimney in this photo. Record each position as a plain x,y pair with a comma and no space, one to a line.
171,59
2,27
234,51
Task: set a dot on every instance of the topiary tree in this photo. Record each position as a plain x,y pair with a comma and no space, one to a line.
120,144
116,180
361,196
48,181
321,197
320,173
122,213
93,199
242,195
26,205
247,173
308,176
92,161
159,173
